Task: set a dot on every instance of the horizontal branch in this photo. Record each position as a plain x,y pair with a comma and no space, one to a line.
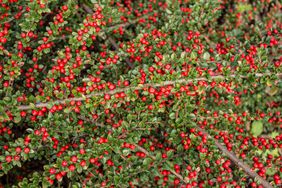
237,161
165,83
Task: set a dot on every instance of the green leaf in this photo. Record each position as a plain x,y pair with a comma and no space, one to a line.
273,152
172,115
79,169
193,55
17,119
270,171
168,11
274,134
257,128
18,163
170,154
241,7
69,174
179,148
29,130
7,99
60,95
67,110
147,161
183,54
161,109
116,179
158,156
32,106
126,152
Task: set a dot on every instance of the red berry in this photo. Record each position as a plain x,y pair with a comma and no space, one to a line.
59,176
107,97
52,170
83,163
110,162
73,159
9,158
65,8
26,150
71,167
64,163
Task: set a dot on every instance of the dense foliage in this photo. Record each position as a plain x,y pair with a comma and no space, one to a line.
132,93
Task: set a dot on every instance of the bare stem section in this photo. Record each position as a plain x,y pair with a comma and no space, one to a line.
119,90
154,158
237,161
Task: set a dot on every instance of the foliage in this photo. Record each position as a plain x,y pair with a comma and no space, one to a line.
156,93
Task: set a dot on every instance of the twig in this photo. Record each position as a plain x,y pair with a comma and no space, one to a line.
12,18
237,161
6,52
118,25
165,83
91,121
154,158
87,9
128,23
112,41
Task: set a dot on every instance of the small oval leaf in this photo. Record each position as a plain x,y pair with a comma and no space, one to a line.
257,128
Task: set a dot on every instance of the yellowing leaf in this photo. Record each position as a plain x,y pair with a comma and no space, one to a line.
257,128
271,90
206,56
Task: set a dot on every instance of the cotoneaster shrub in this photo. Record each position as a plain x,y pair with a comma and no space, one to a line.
153,93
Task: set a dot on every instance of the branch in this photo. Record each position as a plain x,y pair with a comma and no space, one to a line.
87,9
5,52
90,11
112,27
112,41
165,83
237,161
229,154
154,158
12,18
129,22
91,121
